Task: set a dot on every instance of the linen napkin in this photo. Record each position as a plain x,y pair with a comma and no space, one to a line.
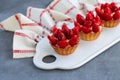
73,7
67,7
46,17
27,33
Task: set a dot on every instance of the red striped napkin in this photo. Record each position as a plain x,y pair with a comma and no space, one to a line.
28,32
47,17
67,7
73,7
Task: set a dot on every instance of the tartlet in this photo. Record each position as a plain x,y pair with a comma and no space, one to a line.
91,26
109,13
64,41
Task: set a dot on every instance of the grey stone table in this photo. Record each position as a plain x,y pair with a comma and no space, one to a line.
104,67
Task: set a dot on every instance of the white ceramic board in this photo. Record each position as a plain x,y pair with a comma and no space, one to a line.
86,51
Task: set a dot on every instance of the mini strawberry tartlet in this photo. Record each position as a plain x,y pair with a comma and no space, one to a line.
64,41
109,13
91,26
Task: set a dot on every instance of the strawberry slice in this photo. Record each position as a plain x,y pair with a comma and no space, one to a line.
95,27
116,16
65,29
99,12
53,29
53,40
55,33
91,12
70,34
74,40
102,6
98,20
80,19
63,44
96,24
113,4
85,30
89,15
106,5
113,7
61,36
107,17
107,10
93,21
88,23
76,31
77,25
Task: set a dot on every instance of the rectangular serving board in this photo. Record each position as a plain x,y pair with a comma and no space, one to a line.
86,51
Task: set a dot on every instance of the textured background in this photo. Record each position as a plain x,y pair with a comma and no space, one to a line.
104,67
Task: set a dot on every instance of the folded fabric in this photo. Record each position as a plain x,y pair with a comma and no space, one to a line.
67,7
27,33
46,17
73,7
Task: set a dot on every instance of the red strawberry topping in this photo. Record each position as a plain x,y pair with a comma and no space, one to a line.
63,44
65,29
96,27
112,6
85,30
70,34
74,40
76,31
116,16
65,37
53,40
89,15
77,25
99,12
102,6
53,29
61,36
80,19
98,20
88,23
92,21
108,11
107,17
55,33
